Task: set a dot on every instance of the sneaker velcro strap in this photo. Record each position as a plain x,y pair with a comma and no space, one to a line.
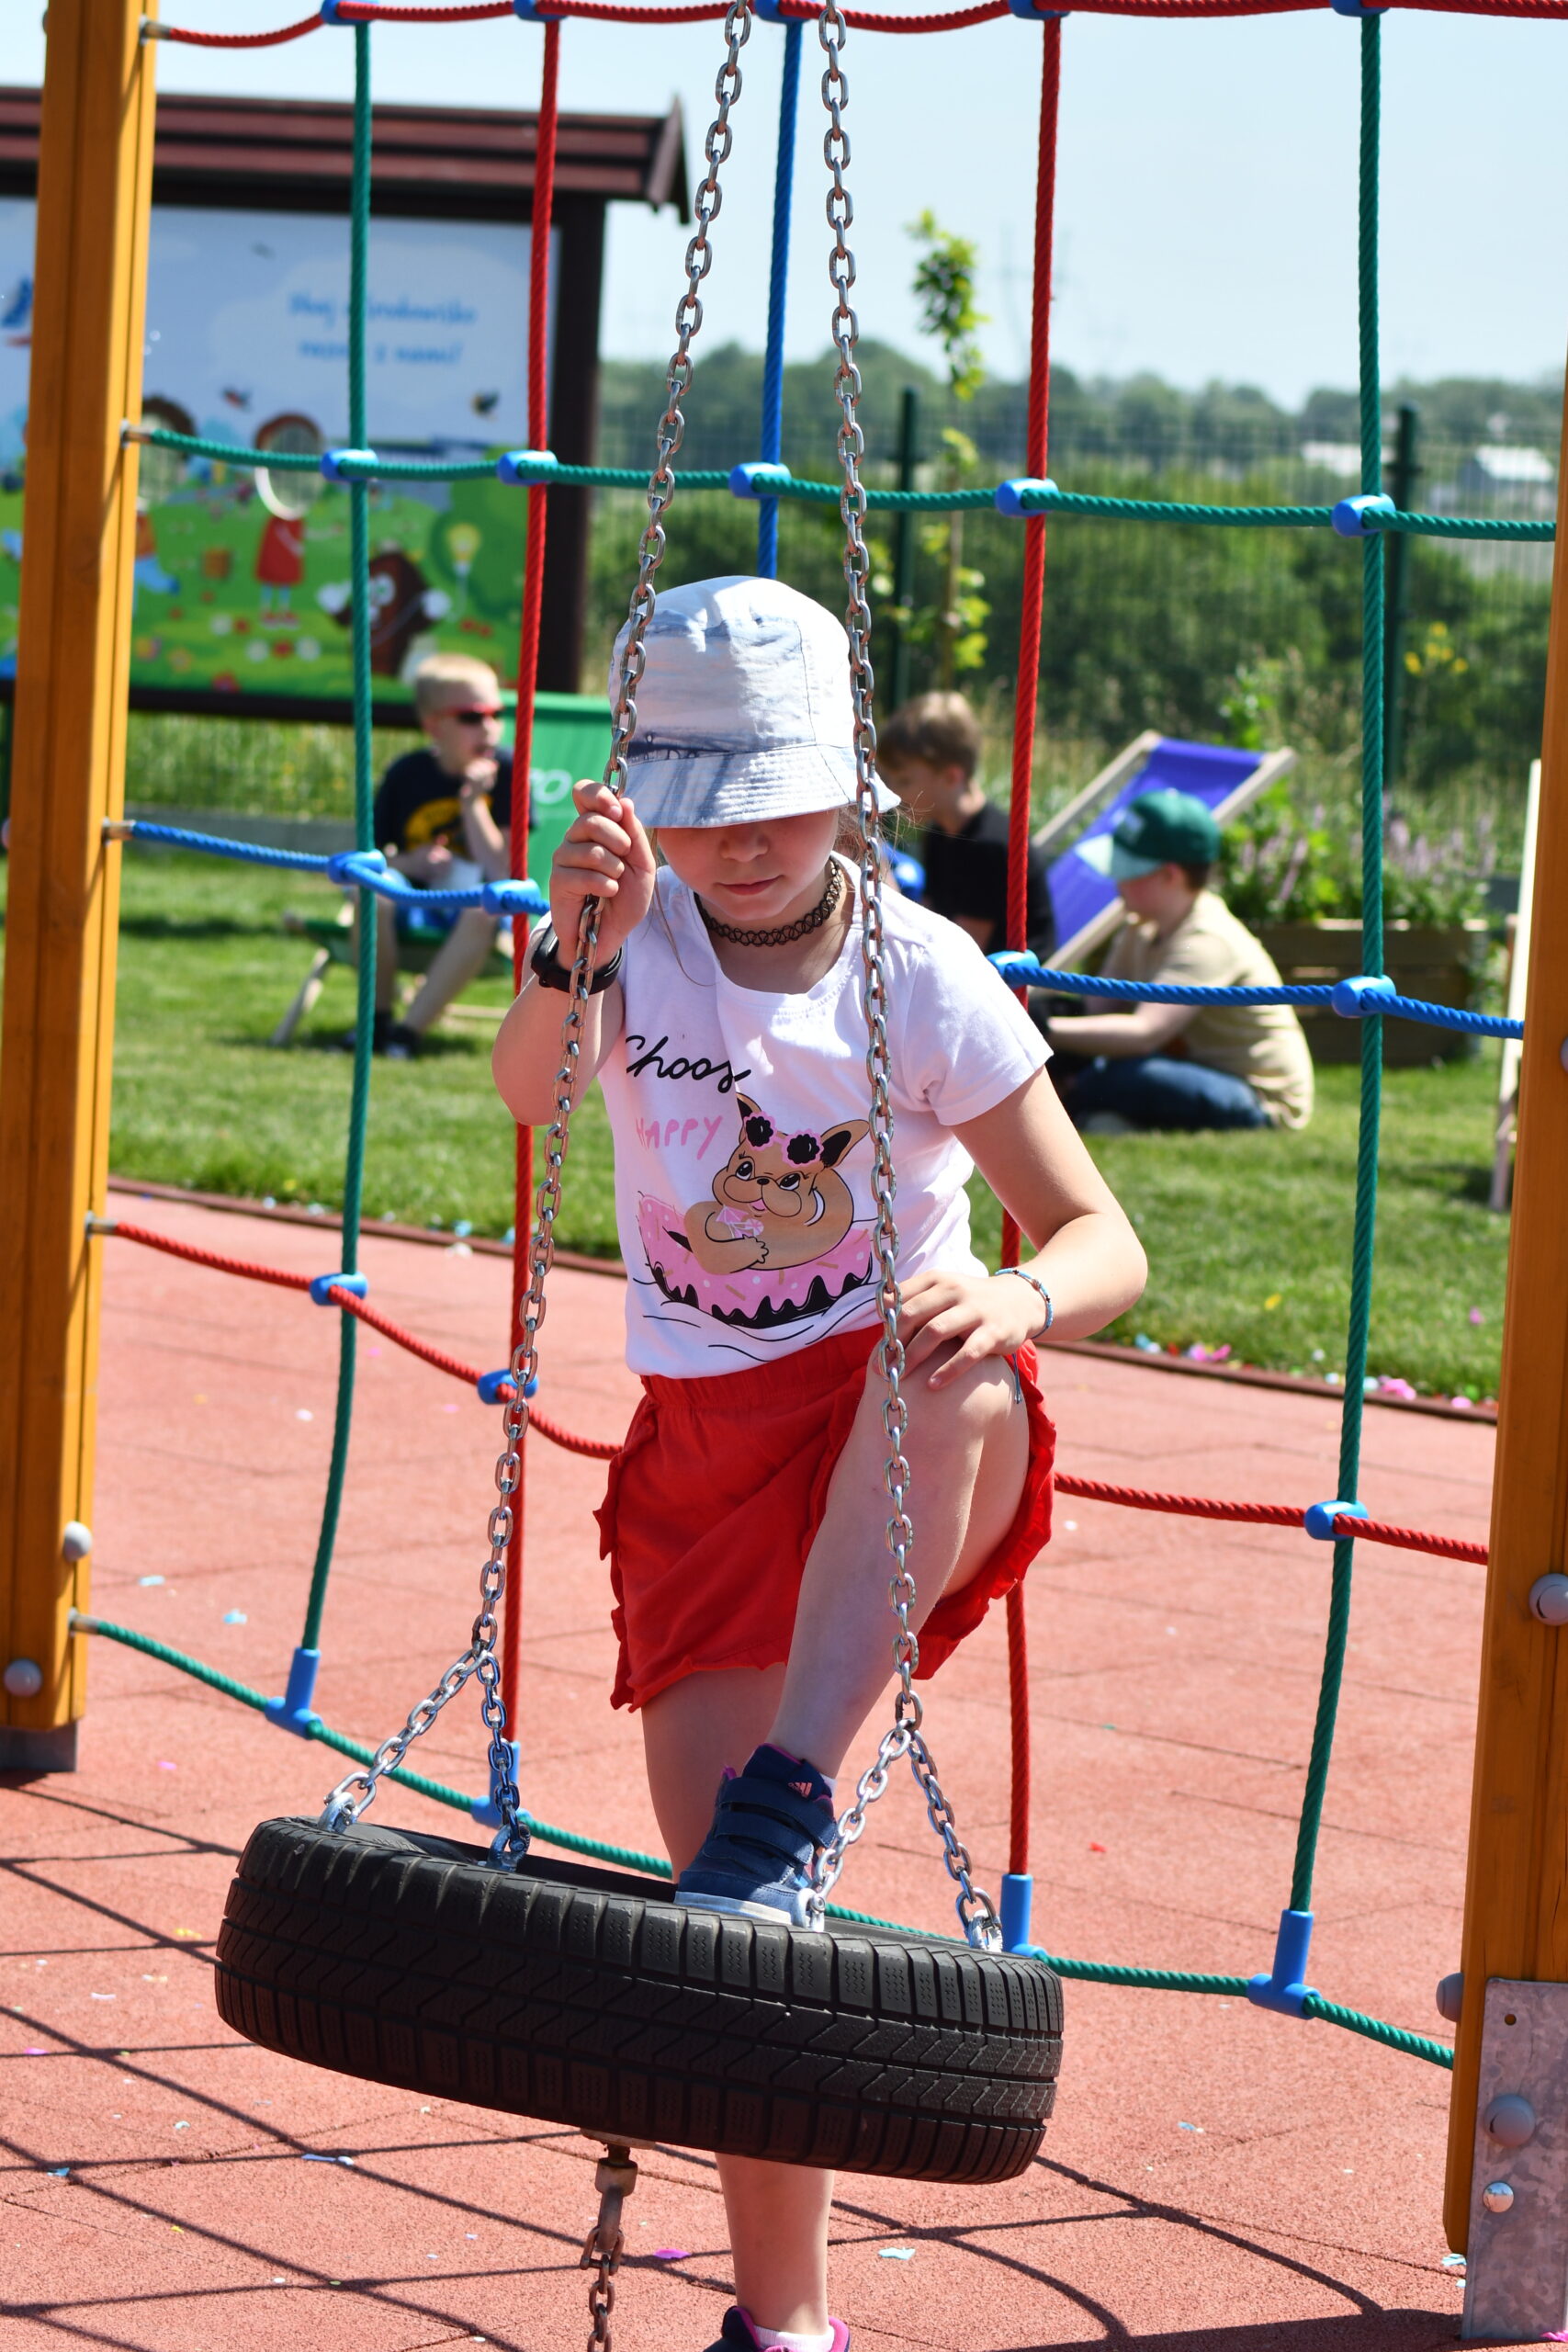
758,1810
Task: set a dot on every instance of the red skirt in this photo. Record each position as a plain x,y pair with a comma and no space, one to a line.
714,1499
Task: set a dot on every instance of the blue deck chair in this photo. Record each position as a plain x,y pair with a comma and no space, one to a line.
1085,907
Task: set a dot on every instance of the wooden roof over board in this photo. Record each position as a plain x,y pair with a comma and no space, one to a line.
444,162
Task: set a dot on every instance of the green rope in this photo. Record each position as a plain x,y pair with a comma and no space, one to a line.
599,1850
826,493
1373,685
365,961
1392,2036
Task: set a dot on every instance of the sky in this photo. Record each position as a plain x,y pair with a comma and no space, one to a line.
1206,189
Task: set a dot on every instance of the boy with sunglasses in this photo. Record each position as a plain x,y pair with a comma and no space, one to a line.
443,817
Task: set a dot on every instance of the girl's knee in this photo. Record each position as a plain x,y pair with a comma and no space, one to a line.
980,1400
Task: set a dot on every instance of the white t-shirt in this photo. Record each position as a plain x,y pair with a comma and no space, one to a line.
743,1162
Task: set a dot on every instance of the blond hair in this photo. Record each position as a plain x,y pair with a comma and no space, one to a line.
440,672
939,729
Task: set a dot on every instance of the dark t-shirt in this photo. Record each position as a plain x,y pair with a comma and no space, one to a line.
417,803
966,874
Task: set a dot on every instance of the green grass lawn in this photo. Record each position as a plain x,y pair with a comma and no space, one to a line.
1248,1236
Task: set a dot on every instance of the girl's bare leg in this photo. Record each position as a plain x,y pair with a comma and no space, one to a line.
968,1451
967,1447
777,2214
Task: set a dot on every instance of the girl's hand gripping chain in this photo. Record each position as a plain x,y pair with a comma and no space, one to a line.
604,855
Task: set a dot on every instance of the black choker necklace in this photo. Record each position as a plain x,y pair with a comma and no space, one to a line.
796,930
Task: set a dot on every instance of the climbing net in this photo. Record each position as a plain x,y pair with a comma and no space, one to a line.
1032,498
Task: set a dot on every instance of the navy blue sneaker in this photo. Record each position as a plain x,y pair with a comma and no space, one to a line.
768,1823
739,2332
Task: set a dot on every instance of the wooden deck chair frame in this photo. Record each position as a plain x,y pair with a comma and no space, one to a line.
1056,835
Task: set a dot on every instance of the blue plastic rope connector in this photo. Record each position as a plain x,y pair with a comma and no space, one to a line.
1023,495
329,12
772,13
1354,8
1041,16
346,866
334,461
528,10
526,465
491,1385
1318,1519
760,479
485,1810
295,1711
513,899
323,1284
1352,999
1018,1903
1349,517
1284,1988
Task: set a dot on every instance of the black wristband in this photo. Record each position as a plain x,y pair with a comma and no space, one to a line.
545,963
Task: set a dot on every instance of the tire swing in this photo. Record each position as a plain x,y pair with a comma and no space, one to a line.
585,1997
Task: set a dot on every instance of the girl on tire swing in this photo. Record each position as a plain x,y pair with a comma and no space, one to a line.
746,1516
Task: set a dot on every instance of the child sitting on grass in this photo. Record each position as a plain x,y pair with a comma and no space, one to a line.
746,1515
443,816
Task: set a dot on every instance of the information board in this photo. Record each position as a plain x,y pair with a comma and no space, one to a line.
242,578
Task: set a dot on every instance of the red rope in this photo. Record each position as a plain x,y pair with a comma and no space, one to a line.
240,41
522,777
1022,784
1367,1531
1098,1490
952,20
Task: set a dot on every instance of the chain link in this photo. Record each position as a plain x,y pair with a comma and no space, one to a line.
353,1794
614,2176
974,1910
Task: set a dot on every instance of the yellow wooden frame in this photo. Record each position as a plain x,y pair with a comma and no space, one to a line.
67,765
1516,1916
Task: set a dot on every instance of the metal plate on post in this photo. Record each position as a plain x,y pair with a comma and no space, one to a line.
1517,2270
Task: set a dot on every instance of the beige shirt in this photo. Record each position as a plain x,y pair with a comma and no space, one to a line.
1261,1043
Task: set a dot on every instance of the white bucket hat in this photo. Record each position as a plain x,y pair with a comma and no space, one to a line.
744,710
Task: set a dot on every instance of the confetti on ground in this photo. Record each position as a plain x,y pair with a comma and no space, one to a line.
235,1617
165,1765
301,1413
310,2159
670,2254
149,1580
1191,2127
58,2172
895,2253
1272,1301
1094,1848
1453,2262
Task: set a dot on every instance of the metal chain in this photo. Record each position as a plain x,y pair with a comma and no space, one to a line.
614,2176
974,1910
353,1794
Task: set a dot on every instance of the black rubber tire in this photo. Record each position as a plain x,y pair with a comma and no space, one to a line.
586,1998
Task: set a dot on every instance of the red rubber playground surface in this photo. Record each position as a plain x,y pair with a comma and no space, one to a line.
1217,2179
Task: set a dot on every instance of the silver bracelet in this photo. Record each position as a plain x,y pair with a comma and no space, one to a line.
1033,1284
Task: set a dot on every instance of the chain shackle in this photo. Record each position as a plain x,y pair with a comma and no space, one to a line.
614,2176
905,1739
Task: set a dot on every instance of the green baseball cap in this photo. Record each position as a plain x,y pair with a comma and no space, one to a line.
1165,827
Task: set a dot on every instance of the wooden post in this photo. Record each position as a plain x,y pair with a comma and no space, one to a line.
1516,1916
79,536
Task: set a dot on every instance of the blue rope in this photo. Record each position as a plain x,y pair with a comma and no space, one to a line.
1027,971
211,845
772,364
354,869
